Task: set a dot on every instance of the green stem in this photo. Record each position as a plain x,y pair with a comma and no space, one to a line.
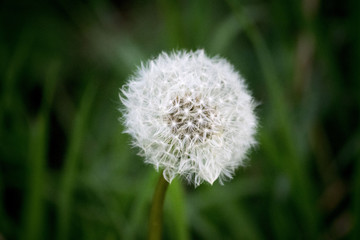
156,212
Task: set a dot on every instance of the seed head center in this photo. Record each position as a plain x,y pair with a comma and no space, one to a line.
191,118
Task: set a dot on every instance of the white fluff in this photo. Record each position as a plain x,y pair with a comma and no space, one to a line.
190,115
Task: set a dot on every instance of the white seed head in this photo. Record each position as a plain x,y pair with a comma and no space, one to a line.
190,115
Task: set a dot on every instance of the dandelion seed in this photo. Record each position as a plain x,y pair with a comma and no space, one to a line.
182,110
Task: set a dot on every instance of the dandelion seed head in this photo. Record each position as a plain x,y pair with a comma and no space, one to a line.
190,115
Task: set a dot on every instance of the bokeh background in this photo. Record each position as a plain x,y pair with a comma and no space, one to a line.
68,172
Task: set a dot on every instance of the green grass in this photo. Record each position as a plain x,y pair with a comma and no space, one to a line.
68,172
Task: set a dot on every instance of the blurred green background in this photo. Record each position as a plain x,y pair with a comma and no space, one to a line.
68,172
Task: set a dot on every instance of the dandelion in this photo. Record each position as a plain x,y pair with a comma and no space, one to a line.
190,115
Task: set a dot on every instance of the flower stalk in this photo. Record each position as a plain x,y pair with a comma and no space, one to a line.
156,212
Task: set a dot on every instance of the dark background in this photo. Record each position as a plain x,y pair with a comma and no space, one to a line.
68,172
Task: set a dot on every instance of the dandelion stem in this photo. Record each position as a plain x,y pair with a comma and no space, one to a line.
156,212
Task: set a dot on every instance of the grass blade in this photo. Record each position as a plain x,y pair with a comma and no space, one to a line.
68,180
34,205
